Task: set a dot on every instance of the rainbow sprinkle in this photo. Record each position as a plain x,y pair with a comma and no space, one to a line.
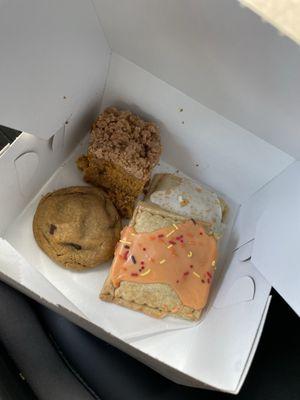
146,272
170,233
124,241
162,261
190,254
197,275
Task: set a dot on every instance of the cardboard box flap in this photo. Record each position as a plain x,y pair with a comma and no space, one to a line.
54,60
276,247
218,53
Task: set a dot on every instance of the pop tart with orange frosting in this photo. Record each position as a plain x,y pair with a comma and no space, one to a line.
164,265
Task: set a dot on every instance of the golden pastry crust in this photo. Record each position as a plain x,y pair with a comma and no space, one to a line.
154,299
77,227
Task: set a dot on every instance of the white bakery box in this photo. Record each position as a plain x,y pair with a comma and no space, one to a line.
224,88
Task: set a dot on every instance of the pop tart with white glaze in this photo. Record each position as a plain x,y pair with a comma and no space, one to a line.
188,198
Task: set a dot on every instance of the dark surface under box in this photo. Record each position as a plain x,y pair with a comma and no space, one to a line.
44,356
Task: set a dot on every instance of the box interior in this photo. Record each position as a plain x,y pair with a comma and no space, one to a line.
228,135
240,294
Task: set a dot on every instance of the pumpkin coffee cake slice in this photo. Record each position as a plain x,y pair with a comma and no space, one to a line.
122,152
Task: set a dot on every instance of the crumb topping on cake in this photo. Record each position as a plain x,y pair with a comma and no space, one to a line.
125,139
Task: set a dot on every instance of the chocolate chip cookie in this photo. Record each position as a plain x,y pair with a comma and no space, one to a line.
77,227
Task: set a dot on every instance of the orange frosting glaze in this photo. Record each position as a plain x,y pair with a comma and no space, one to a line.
182,256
